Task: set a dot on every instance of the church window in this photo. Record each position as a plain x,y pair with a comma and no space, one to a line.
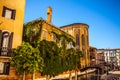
77,41
83,40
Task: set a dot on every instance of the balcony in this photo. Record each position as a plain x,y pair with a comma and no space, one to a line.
5,52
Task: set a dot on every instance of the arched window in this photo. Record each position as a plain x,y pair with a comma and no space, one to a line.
5,39
83,46
83,40
87,39
77,41
5,42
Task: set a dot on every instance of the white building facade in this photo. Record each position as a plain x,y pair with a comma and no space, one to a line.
111,56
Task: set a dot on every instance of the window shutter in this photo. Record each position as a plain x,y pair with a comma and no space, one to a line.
0,38
10,40
13,14
10,44
6,68
3,12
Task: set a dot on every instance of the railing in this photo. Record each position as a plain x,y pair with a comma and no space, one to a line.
4,51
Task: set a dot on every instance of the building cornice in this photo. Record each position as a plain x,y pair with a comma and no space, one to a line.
74,24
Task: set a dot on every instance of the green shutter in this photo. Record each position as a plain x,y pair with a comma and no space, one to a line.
0,38
3,12
6,68
10,40
13,14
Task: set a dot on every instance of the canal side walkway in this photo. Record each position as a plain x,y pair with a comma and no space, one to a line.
66,76
113,75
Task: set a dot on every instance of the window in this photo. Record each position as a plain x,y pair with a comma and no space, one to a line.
83,40
5,39
60,43
1,67
5,42
4,68
44,34
8,13
77,41
69,45
53,38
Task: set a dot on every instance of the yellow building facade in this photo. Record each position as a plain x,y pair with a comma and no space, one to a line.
11,27
12,18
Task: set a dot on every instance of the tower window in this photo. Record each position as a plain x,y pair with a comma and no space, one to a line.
83,45
8,13
77,42
83,40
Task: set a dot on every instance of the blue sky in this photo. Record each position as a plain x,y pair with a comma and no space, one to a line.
102,16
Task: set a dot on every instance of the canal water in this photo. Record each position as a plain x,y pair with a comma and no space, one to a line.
90,76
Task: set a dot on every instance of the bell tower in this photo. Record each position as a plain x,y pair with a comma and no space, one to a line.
49,14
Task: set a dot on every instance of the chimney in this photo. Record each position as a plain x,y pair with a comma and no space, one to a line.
49,14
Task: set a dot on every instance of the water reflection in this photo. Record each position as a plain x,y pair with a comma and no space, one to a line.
90,76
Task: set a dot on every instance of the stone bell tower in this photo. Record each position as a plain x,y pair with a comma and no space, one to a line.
49,14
